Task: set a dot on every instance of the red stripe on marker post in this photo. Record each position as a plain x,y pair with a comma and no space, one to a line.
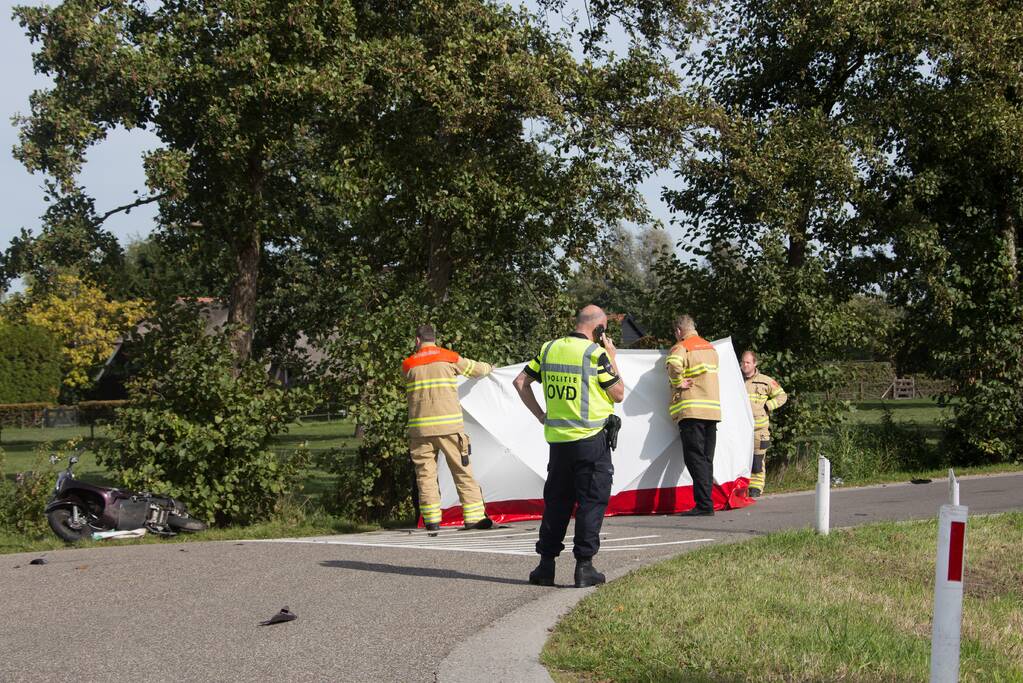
955,551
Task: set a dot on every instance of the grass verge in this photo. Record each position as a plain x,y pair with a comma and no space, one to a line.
317,524
852,606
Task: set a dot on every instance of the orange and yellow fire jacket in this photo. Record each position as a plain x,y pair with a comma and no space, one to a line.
765,395
430,379
696,359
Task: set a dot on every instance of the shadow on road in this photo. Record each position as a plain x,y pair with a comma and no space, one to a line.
417,571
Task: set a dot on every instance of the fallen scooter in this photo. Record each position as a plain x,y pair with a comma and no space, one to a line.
78,510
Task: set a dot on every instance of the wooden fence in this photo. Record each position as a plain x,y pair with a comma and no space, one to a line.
873,390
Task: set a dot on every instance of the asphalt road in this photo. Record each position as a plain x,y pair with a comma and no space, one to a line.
386,606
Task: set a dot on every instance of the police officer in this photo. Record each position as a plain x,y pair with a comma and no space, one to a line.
581,384
435,426
765,396
692,366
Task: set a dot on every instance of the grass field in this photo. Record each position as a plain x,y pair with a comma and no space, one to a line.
921,411
22,446
877,442
852,606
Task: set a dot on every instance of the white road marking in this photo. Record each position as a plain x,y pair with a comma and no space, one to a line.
650,545
503,544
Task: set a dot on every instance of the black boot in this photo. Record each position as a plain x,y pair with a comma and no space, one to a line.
485,523
587,575
543,575
697,512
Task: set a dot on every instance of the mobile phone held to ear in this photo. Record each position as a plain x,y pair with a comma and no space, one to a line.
598,333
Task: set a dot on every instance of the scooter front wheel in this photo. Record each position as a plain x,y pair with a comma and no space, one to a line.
180,523
62,522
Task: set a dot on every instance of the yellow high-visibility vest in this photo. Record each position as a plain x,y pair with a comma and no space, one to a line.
577,406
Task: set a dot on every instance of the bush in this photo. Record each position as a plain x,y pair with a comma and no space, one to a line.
199,428
23,501
30,361
859,452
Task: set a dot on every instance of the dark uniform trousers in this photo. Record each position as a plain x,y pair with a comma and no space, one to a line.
698,440
577,472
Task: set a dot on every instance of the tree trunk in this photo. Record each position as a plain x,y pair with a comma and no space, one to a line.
797,239
247,254
242,310
439,273
1009,233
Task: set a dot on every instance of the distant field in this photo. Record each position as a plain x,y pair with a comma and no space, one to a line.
922,411
22,445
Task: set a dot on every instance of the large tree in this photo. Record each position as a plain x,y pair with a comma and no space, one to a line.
858,147
238,93
771,195
415,133
955,194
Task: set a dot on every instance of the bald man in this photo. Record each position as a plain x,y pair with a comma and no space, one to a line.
581,384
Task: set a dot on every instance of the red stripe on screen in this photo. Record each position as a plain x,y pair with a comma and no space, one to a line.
663,501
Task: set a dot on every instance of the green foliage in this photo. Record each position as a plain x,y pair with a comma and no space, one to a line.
30,364
199,427
851,148
788,317
860,452
956,192
622,275
71,240
23,500
157,269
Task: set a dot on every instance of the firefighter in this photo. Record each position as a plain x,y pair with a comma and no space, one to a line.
765,396
692,366
581,384
435,426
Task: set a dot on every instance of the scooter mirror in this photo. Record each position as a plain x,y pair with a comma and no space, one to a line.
73,459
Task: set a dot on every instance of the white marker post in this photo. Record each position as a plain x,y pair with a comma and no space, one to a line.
948,594
823,495
953,487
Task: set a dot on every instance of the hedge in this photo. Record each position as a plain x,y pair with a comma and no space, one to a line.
30,364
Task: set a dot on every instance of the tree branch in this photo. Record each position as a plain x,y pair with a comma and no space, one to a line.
129,207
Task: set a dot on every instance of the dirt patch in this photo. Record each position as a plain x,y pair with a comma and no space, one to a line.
992,578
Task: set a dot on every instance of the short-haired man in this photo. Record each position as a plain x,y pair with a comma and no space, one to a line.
765,396
435,426
692,366
581,384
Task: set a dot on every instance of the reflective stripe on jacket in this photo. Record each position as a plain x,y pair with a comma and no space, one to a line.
574,373
696,359
765,395
431,385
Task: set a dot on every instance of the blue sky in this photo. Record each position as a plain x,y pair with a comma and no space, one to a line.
113,169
